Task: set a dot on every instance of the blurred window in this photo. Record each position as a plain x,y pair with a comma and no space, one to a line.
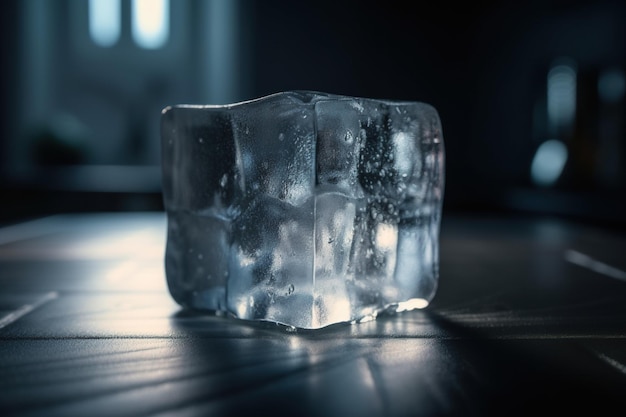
150,22
105,21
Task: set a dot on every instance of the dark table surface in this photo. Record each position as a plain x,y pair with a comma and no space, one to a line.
529,319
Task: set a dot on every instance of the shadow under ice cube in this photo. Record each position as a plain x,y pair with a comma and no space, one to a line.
303,208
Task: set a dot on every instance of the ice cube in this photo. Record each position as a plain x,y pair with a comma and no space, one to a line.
303,208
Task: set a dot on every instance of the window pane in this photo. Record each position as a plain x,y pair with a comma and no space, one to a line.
104,21
150,22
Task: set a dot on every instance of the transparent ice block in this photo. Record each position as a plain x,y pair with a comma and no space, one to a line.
303,208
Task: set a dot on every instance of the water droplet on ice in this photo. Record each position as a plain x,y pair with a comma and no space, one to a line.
224,180
349,138
363,134
290,289
281,136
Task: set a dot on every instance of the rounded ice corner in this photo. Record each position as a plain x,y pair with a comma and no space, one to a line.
429,110
325,215
167,117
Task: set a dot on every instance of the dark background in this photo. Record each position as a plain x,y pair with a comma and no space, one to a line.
80,121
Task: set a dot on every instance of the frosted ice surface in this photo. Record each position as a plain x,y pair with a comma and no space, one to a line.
303,208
